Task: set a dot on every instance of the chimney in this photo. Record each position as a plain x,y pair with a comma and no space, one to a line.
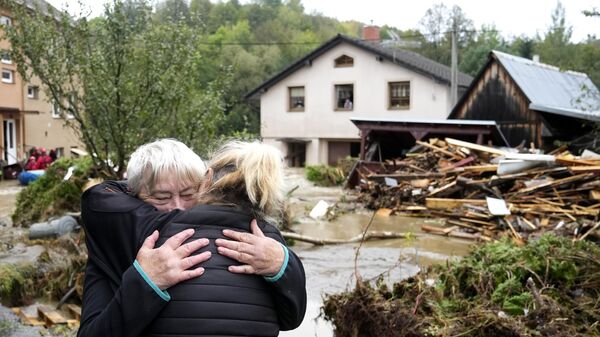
536,58
371,33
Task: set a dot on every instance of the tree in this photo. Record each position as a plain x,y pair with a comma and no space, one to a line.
121,80
556,47
437,25
476,54
173,11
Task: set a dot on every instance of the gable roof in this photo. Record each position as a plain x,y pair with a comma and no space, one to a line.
405,58
547,88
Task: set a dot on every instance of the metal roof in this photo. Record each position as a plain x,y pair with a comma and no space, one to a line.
405,58
551,90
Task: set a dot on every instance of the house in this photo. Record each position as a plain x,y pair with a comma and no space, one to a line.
532,102
306,108
27,115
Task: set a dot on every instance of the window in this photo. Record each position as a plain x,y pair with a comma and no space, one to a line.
5,57
344,61
33,92
344,97
5,21
56,110
296,98
399,95
7,76
71,103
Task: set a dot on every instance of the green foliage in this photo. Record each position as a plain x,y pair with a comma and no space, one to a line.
14,283
50,194
469,294
58,268
323,175
125,78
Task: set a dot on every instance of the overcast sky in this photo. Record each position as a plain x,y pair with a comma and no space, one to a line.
511,17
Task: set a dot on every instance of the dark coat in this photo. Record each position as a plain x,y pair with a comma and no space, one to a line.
118,302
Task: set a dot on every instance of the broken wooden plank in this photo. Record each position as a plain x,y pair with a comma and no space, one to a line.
527,222
26,318
579,169
459,163
554,183
464,225
447,203
475,169
74,310
438,149
590,231
446,189
50,316
465,235
473,146
514,232
575,162
405,176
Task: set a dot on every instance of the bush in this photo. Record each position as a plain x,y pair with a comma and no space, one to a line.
323,175
50,194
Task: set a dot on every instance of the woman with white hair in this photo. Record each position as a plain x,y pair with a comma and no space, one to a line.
252,285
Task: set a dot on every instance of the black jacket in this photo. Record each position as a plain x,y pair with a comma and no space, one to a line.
118,302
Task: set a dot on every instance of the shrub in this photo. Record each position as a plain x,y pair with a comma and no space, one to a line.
323,175
50,194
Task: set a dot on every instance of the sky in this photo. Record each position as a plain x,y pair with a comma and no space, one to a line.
511,17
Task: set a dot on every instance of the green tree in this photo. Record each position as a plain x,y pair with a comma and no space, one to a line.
556,48
173,11
476,54
120,80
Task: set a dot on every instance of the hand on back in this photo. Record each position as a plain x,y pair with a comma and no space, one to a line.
259,254
170,263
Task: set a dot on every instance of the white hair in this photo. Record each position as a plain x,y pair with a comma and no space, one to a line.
164,157
249,170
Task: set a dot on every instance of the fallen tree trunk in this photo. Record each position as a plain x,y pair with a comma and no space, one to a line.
358,238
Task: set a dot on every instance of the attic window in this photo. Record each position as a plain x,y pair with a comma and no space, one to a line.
344,61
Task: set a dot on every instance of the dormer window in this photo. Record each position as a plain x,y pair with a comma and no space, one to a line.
344,61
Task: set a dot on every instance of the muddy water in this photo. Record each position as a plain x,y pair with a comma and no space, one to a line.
331,269
8,193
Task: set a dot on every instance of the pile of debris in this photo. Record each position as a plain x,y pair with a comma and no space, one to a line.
485,193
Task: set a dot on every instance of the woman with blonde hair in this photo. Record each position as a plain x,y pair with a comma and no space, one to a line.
243,290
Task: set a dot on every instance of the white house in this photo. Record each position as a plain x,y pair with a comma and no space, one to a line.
305,109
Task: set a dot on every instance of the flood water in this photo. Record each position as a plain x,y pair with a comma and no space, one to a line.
330,269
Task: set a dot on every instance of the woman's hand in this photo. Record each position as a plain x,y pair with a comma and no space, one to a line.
170,263
259,254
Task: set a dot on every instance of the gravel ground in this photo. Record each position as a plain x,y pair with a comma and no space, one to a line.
10,326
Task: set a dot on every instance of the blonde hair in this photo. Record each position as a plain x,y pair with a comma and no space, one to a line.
248,174
164,157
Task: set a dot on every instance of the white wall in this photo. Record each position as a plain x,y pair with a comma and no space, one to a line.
320,121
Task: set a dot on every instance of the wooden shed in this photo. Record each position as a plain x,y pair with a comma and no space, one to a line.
531,102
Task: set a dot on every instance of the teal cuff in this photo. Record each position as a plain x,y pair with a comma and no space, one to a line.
163,294
283,266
